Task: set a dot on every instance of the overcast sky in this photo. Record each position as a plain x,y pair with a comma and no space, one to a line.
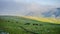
21,7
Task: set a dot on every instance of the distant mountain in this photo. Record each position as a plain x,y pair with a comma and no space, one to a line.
54,12
33,13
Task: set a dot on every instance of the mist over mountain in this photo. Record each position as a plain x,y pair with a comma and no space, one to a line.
54,12
37,8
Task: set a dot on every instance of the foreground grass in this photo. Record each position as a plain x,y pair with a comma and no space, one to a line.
20,25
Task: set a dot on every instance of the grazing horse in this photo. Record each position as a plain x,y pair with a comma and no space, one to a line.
27,23
35,24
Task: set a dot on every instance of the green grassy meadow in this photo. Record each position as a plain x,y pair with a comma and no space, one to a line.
21,25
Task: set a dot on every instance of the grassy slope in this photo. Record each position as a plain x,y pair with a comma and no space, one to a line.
17,25
51,20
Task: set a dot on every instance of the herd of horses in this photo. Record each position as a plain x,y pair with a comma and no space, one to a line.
30,23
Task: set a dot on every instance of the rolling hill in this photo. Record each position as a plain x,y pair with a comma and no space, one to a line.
44,19
23,25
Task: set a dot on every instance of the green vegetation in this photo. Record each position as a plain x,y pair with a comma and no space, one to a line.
20,25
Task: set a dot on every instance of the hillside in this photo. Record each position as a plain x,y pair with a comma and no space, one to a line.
22,25
44,19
